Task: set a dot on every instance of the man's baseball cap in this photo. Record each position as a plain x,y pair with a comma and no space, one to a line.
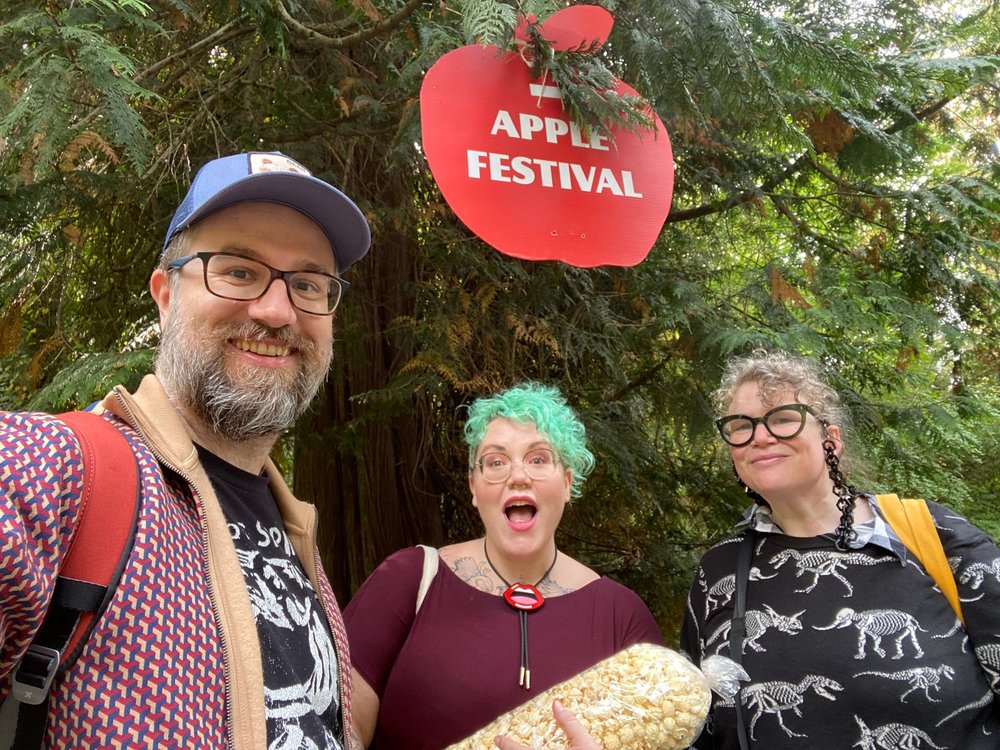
275,178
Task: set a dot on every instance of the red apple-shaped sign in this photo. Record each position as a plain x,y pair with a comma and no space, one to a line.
525,178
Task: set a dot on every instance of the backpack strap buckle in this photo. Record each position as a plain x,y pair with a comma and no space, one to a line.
34,674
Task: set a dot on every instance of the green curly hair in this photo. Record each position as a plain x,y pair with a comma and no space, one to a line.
544,407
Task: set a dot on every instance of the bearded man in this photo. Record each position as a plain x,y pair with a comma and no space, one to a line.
223,631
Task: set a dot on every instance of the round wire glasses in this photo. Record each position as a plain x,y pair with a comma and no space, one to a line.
497,467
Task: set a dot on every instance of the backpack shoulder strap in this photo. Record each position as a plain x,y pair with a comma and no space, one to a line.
428,573
738,628
912,522
99,548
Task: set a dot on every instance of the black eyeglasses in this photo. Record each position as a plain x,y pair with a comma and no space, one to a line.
783,422
239,278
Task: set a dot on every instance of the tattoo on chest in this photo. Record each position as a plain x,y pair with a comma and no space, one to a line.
479,574
551,587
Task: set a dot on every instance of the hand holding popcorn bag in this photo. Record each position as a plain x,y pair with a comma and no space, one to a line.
646,697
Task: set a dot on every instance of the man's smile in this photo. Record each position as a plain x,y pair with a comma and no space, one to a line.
263,348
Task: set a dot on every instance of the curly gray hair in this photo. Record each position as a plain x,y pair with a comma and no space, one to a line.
777,372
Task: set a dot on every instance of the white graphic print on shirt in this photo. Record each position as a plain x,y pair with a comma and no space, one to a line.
285,606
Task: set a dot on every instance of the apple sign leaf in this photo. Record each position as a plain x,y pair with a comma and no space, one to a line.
572,27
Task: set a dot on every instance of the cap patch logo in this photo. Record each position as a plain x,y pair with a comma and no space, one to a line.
275,163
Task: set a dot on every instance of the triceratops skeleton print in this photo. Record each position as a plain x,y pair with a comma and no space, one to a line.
757,623
892,735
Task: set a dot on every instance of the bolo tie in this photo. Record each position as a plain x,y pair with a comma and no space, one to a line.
524,598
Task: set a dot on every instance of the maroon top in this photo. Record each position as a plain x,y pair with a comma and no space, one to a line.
454,667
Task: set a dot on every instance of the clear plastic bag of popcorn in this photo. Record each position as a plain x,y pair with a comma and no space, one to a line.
646,697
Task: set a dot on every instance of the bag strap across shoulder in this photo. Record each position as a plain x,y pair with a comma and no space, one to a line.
912,522
427,575
738,628
99,548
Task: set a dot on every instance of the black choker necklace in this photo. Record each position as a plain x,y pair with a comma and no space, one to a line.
524,597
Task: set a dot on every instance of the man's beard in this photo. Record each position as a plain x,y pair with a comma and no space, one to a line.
238,400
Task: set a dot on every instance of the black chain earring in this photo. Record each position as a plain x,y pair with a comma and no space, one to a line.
847,496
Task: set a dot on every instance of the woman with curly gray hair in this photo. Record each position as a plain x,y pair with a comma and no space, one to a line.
846,638
797,400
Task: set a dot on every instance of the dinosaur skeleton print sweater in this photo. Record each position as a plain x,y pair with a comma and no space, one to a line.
854,649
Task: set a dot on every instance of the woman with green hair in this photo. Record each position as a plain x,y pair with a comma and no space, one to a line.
444,641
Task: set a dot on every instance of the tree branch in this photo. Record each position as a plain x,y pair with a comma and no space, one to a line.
221,34
314,36
748,195
745,197
639,381
929,110
804,228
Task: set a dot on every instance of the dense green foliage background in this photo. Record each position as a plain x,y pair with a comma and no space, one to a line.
837,174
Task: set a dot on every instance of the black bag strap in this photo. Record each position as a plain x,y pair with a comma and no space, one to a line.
738,627
99,549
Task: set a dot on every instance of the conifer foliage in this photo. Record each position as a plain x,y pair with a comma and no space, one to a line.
837,190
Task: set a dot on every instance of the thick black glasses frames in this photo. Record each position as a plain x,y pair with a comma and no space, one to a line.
782,422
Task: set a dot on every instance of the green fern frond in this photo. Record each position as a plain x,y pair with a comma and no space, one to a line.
488,22
89,377
74,64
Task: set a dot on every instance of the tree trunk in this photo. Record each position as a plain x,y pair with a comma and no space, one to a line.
348,454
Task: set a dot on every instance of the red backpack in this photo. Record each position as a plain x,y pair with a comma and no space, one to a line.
99,548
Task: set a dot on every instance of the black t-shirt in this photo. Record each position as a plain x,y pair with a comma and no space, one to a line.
300,664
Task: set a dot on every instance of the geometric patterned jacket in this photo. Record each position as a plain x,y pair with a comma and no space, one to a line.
175,660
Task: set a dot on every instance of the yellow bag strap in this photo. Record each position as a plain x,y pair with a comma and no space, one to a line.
912,522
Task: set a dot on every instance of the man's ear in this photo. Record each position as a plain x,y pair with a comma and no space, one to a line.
159,289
